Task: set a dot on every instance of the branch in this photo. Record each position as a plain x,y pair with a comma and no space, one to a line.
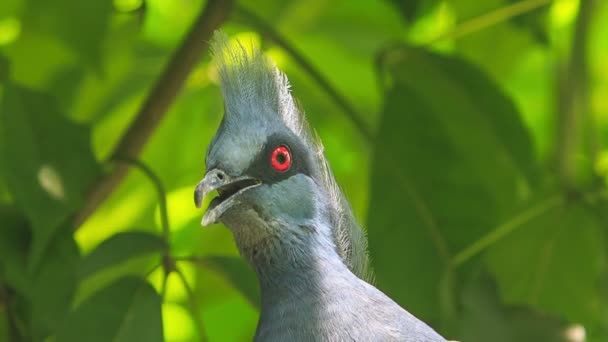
158,101
299,58
573,98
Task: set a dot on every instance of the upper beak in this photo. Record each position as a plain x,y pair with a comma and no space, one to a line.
228,188
213,180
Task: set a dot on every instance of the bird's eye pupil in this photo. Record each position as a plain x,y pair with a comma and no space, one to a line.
281,158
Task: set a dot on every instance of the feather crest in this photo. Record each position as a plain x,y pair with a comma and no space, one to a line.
248,78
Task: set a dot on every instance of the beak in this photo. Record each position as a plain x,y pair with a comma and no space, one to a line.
229,189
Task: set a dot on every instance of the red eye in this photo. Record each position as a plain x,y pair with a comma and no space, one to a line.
281,158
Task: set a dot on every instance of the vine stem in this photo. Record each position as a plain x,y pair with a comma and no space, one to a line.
160,189
490,18
158,102
505,229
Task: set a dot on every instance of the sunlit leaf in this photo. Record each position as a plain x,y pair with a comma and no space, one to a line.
128,310
553,264
220,316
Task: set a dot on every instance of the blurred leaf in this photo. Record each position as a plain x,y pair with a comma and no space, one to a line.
407,8
3,325
51,288
14,244
120,248
500,59
14,234
485,318
84,31
128,310
450,143
10,7
412,9
137,267
167,21
535,21
600,331
237,273
47,162
556,266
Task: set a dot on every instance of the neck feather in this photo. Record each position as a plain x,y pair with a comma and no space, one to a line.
294,260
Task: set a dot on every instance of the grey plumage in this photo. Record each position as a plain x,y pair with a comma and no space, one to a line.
294,227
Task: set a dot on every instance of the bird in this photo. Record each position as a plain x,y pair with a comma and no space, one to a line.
289,218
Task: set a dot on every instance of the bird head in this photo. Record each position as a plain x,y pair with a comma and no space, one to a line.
274,185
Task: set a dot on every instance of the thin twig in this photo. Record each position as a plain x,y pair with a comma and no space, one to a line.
193,304
491,18
158,101
163,286
160,189
506,228
309,68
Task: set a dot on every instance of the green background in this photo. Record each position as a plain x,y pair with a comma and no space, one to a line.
471,138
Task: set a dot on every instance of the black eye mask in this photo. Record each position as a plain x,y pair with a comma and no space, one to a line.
261,167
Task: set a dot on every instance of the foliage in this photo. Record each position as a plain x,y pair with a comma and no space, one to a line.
470,137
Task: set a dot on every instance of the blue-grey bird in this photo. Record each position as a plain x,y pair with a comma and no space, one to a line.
290,221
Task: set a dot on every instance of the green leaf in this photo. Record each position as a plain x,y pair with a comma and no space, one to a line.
52,286
237,273
120,248
14,243
553,264
83,32
451,160
128,310
42,295
14,234
485,318
47,162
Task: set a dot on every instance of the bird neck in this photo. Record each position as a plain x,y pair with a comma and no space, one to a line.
294,263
